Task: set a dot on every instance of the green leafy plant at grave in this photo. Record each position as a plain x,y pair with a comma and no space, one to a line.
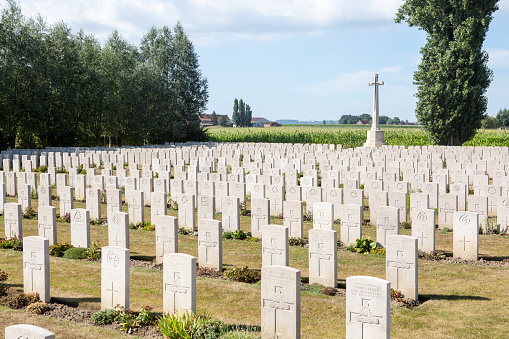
58,250
240,235
254,239
364,245
339,243
114,168
103,317
104,197
308,216
378,250
361,186
65,218
242,208
75,253
13,244
337,221
243,274
490,227
145,226
297,242
54,186
187,325
61,170
228,235
3,288
172,204
184,231
129,319
95,222
82,171
406,225
29,213
93,252
38,308
42,169
34,194
126,318
445,230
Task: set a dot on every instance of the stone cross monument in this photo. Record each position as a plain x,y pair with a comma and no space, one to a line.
375,135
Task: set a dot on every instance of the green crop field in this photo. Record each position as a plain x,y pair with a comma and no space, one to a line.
346,135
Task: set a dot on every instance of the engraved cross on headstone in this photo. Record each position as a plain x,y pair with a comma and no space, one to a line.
399,264
112,291
464,241
365,317
349,224
320,256
33,266
164,239
175,288
208,243
272,250
278,304
45,225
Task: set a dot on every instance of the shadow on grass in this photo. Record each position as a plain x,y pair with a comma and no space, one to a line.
426,297
150,258
13,285
493,258
74,302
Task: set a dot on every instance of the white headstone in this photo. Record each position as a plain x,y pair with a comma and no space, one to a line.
166,232
323,257
260,216
275,245
118,230
114,277
179,283
401,263
47,223
368,308
23,331
80,227
280,302
36,267
210,247
351,223
12,221
466,235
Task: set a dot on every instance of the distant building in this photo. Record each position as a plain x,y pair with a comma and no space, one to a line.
259,122
363,122
206,119
271,124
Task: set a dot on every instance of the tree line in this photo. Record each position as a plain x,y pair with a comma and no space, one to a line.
348,119
242,113
63,89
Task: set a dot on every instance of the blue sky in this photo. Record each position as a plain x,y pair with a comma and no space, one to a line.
289,59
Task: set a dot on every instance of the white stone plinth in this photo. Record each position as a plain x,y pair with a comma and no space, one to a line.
375,139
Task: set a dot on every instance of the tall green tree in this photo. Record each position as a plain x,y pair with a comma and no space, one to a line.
189,89
235,114
453,75
249,116
91,95
242,113
503,117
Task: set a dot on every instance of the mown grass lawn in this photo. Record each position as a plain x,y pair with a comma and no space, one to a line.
461,301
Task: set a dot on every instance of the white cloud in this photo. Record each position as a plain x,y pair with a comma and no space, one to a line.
348,83
217,19
498,57
393,69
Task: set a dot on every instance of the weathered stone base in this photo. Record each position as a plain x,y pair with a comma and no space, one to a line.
375,139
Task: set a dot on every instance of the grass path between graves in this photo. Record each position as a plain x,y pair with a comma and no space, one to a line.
463,301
